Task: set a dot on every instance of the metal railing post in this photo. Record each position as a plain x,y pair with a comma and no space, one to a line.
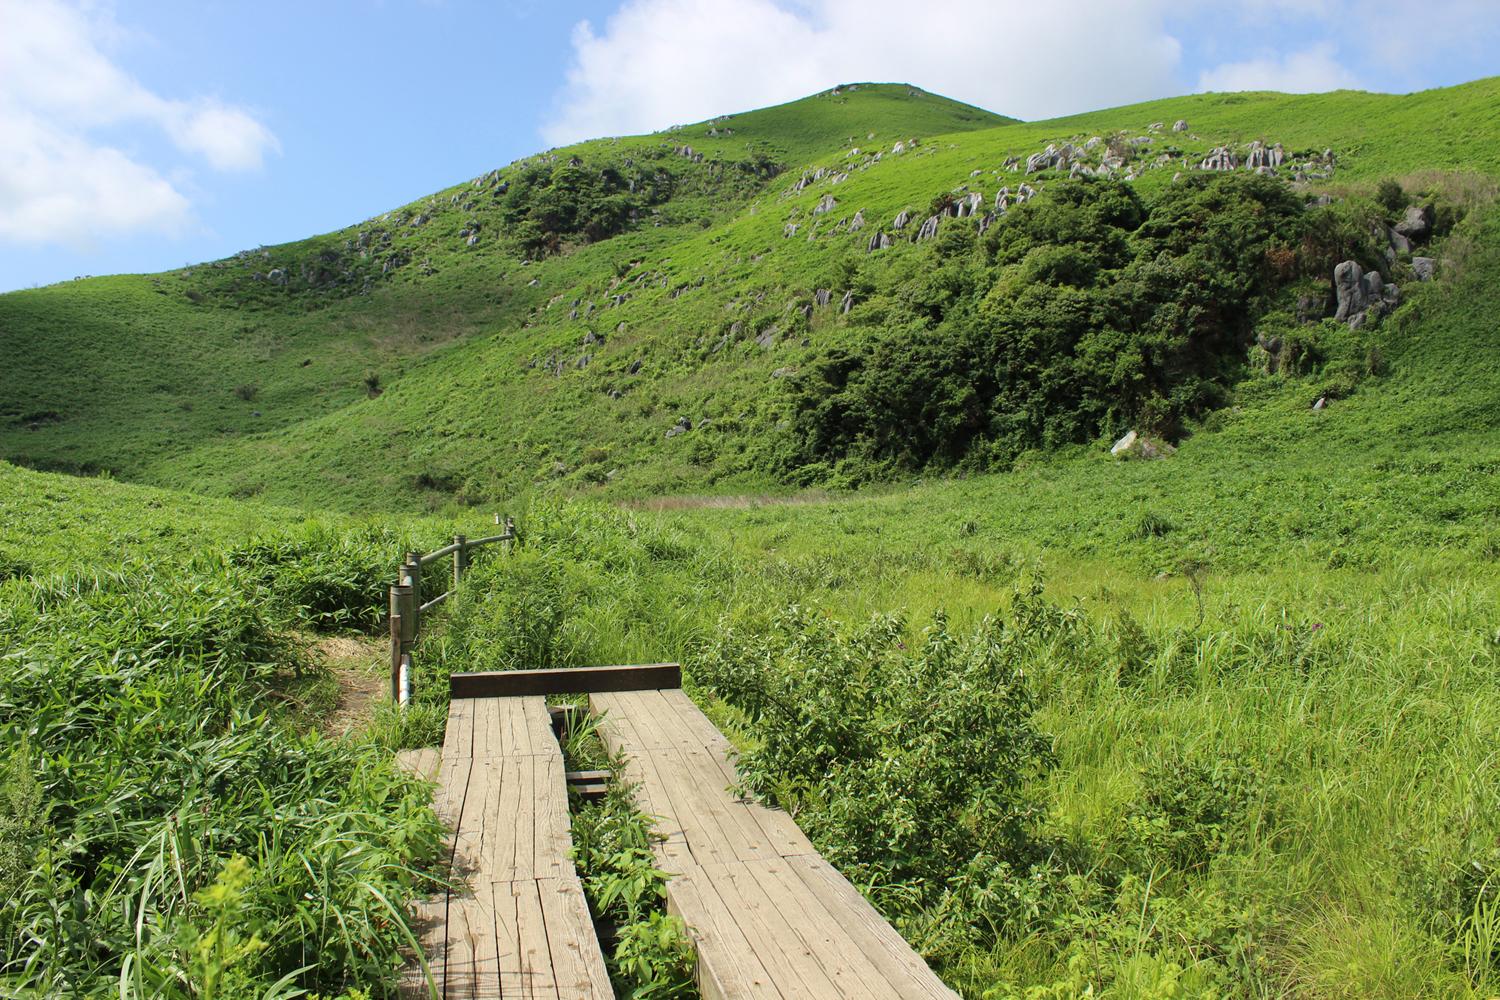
400,598
460,559
411,576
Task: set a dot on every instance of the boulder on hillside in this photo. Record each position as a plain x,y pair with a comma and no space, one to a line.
1140,446
1180,125
1396,240
1423,268
825,204
902,218
1219,158
858,222
929,229
1362,295
1416,223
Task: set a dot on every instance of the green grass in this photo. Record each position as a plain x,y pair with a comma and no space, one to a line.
1268,666
453,348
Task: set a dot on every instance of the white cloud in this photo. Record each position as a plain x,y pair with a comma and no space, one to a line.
60,180
1311,70
56,187
227,137
659,62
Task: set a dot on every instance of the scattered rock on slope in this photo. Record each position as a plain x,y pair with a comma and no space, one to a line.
1137,445
1362,295
1416,224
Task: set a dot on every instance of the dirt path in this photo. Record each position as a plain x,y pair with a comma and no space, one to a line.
358,665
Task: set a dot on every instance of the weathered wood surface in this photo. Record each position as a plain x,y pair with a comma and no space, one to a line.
770,917
515,923
567,680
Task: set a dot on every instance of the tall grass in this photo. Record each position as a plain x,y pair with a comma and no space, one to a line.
169,833
1273,784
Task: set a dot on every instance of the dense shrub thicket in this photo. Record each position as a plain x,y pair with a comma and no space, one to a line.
547,205
1081,311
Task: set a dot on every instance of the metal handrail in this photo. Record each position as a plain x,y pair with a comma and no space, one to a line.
408,608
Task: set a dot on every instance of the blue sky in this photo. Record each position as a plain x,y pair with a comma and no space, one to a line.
138,136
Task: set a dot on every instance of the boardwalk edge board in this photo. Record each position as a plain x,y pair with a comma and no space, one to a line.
567,680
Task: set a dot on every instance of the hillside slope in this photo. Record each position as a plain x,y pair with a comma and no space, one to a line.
1266,671
401,365
104,373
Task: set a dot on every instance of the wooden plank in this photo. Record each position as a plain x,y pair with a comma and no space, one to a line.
507,727
577,962
518,925
744,816
718,829
780,830
536,954
448,795
617,726
484,720
770,916
422,977
691,717
458,740
512,683
495,857
553,841
821,932
423,763
877,940
768,937
656,724
651,798
539,731
469,831
473,963
727,965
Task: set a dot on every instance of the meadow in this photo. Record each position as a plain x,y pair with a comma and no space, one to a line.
1216,725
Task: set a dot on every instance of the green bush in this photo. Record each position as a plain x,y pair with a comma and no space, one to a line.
1082,311
898,772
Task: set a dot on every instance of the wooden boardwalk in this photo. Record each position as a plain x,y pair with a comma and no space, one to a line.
770,917
516,923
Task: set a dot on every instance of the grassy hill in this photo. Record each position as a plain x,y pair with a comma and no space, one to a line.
107,373
1266,668
1218,725
326,387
